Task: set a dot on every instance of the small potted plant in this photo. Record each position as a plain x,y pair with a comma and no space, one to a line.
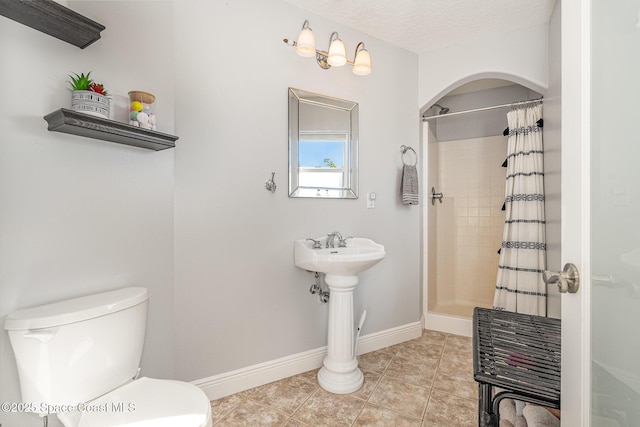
88,96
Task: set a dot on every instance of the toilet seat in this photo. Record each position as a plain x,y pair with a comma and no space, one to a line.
147,402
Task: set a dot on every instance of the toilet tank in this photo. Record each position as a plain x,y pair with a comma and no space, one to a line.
75,350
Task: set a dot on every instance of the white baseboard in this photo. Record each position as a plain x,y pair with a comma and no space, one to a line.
449,324
389,337
232,382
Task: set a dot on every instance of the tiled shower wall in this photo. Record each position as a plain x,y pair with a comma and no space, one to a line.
468,225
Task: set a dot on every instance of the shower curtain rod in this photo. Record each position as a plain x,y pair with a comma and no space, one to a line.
475,110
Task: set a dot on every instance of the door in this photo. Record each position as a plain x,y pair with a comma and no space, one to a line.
600,212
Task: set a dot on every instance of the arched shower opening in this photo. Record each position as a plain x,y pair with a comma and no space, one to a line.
463,151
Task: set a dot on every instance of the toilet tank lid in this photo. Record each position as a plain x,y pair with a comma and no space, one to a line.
75,310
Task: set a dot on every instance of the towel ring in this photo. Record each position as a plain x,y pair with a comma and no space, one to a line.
403,150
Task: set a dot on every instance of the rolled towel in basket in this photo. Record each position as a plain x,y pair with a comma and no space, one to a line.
409,185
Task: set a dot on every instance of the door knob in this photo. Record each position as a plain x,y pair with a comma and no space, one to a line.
568,280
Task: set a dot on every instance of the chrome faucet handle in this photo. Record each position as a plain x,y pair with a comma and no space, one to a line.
316,243
342,243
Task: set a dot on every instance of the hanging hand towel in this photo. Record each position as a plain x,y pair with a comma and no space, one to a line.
409,185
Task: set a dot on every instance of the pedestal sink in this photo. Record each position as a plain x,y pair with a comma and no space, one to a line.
340,373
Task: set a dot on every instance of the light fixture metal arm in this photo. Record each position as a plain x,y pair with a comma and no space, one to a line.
356,52
331,39
322,53
322,57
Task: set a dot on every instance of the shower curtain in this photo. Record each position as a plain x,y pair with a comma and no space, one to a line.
519,285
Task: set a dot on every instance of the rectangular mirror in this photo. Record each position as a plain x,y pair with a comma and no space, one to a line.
323,146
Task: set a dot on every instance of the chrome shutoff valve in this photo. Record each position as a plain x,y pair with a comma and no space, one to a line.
324,297
315,288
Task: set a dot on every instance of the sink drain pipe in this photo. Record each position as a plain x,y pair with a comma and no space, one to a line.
355,345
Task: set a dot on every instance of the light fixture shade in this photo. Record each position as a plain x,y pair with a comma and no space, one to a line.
306,44
337,54
362,63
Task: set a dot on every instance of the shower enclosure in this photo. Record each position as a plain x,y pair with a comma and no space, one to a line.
463,158
465,230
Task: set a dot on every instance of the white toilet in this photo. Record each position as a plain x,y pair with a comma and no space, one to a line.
79,359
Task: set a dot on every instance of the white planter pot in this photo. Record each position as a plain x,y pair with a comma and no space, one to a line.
89,102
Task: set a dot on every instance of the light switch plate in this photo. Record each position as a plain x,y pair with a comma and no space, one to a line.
371,201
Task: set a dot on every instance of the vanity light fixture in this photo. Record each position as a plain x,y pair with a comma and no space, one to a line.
361,61
306,44
336,56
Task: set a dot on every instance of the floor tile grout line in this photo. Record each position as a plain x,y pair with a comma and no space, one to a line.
426,407
433,381
375,387
384,375
223,415
359,412
456,346
391,410
264,405
248,397
316,391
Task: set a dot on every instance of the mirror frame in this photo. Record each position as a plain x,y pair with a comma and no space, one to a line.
350,189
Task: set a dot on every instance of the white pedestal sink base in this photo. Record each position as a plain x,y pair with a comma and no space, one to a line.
340,383
341,265
340,373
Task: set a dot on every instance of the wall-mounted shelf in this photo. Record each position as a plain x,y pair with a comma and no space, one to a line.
53,19
72,122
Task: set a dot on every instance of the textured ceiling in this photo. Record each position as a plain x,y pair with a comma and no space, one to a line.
423,25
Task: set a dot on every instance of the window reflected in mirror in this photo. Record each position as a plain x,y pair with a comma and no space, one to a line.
323,146
321,160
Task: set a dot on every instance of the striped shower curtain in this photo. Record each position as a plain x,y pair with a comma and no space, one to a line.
519,285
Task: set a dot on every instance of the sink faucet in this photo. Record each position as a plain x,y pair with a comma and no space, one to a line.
331,240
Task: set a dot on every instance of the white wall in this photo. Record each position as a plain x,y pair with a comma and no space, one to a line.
79,215
239,300
492,57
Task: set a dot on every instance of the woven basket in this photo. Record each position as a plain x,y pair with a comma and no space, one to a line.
89,102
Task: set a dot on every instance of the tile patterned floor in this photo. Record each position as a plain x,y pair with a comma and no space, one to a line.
425,382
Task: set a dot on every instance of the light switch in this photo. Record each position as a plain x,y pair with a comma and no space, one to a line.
371,201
